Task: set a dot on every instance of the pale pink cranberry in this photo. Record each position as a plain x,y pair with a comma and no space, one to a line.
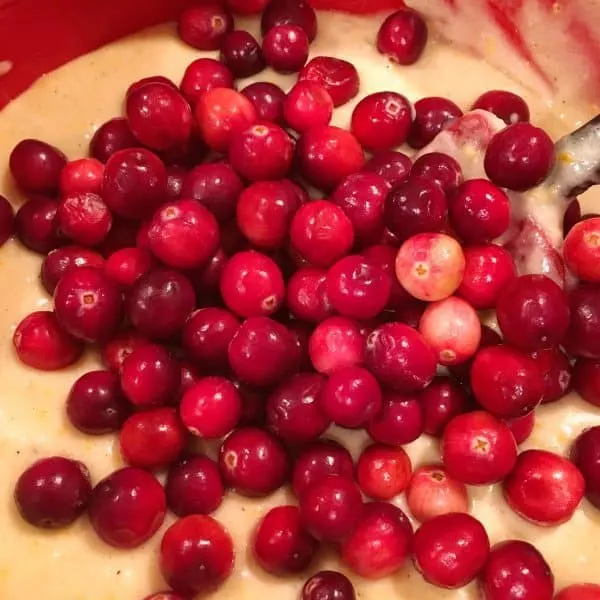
331,585
267,99
505,105
393,166
308,104
581,250
431,114
382,526
402,36
585,454
281,545
579,591
119,347
488,271
441,401
557,372
196,555
544,488
521,427
431,492
586,380
203,26
384,256
61,260
441,168
339,77
306,295
84,218
127,265
430,266
81,176
285,48
221,113
36,166
241,53
36,225
583,337
253,462
336,343
478,449
399,422
383,472
290,12
451,549
127,507
515,570
519,157
110,137
203,75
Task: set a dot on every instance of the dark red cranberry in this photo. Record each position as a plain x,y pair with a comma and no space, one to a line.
118,348
61,260
127,507
290,12
267,99
308,104
203,75
505,105
399,422
328,585
441,168
583,337
81,176
122,234
586,380
285,48
430,116
441,401
84,218
253,462
207,278
203,26
7,220
556,370
393,166
127,265
36,166
402,36
383,472
585,454
336,343
521,427
339,77
36,225
96,404
241,53
53,492
110,137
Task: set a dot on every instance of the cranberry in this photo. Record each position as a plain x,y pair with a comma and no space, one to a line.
120,347
579,591
135,183
253,462
488,271
556,370
384,256
393,166
81,176
441,168
507,106
203,26
95,404
584,331
307,104
36,166
383,472
521,427
339,77
329,585
585,454
402,36
336,343
122,234
140,83
36,225
164,596
110,137
307,295
281,545
441,401
519,157
53,492
515,570
127,507
432,492
478,449
290,12
399,422
61,260
431,114
586,380
160,302
207,278
462,372
241,53
203,75
150,376
285,48
381,542
84,218
127,265
267,99
194,486
196,555
581,250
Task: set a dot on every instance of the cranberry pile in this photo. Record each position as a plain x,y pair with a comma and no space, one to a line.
230,306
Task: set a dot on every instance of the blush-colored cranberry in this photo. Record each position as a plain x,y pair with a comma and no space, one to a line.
308,104
60,261
290,12
381,542
585,454
53,492
432,492
203,26
488,271
327,154
586,380
203,75
441,401
339,77
241,53
263,151
36,166
196,555
519,157
96,404
579,591
285,48
450,550
135,183
507,106
253,462
281,545
110,137
127,265
581,250
150,376
544,487
84,218
431,114
521,427
118,348
267,99
127,508
557,372
393,166
441,168
36,225
402,36
399,422
383,472
306,295
583,336
478,449
329,585
81,176
336,343
516,570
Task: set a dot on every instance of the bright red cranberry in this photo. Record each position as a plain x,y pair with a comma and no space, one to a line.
81,176
519,157
118,348
96,404
579,591
60,261
84,218
336,343
399,422
478,449
586,380
393,166
253,462
196,555
189,375
290,12
203,75
505,105
285,48
127,507
441,401
306,295
308,104
135,183
584,332
53,492
381,542
330,585
140,83
241,53
515,570
110,137
221,113
441,168
150,376
521,427
544,487
207,278
36,166
581,250
462,372
402,36
432,492
281,545
383,472
585,454
430,116
339,77
556,370
127,265
488,271
36,225
267,99
203,26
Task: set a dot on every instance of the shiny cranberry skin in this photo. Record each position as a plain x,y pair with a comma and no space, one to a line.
579,591
36,166
36,225
61,260
127,507
203,75
478,449
544,488
515,570
521,427
430,116
127,265
432,492
84,218
586,380
393,166
196,555
306,295
290,12
285,48
507,106
207,278
281,545
53,492
384,256
267,99
416,206
339,77
583,337
96,404
399,422
253,462
441,168
241,53
161,79
150,376
581,250
119,347
556,370
135,183
204,25
585,454
336,343
110,137
381,542
263,151
329,585
441,401
307,104
81,176
383,472
402,36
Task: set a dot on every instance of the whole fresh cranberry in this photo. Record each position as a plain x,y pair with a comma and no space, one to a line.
505,105
110,137
393,166
581,250
521,427
118,348
336,343
384,256
36,166
583,336
339,77
36,225
441,168
383,472
306,295
290,12
585,454
431,114
81,176
329,585
84,218
441,401
308,104
402,36
267,99
203,26
203,75
557,372
399,422
241,54
285,48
